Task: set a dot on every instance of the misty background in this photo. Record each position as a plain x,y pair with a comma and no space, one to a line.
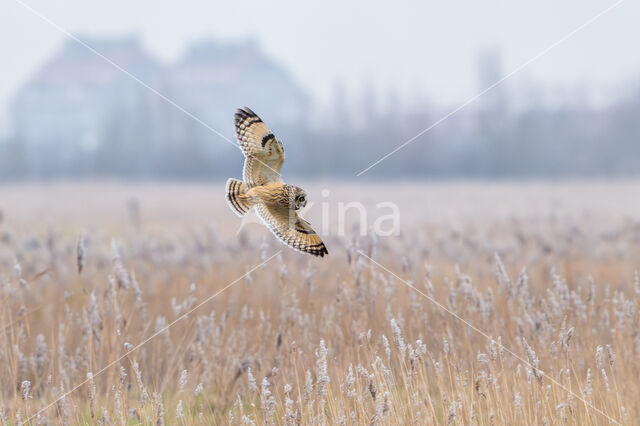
341,84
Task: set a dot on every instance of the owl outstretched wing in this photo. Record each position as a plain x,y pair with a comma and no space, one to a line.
292,229
264,154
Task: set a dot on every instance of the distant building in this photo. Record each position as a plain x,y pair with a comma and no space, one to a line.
211,81
62,111
214,79
80,114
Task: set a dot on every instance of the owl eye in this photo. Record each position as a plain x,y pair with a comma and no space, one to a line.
302,199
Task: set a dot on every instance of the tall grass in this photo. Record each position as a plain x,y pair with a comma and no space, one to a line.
337,341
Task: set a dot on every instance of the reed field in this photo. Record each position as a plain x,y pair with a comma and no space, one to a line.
496,303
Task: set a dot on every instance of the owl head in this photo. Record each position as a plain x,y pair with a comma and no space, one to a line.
298,197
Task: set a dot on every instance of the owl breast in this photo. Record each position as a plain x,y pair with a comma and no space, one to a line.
273,194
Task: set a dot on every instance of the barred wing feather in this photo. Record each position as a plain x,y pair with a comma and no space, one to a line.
291,229
264,154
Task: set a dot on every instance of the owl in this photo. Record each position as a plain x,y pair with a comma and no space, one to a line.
262,188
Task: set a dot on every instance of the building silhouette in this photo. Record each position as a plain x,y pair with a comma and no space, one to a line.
81,115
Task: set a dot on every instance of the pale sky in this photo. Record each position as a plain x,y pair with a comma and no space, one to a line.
430,46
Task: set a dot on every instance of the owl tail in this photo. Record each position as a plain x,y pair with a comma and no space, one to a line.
236,196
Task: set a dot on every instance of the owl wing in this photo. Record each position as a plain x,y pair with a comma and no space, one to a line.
292,229
264,154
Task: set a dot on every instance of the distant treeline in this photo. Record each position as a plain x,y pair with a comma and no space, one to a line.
486,140
80,117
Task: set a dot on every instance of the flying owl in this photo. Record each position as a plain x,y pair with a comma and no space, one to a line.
275,202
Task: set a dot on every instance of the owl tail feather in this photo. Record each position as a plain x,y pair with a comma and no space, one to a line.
236,196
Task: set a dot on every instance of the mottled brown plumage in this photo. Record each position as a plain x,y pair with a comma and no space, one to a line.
275,202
